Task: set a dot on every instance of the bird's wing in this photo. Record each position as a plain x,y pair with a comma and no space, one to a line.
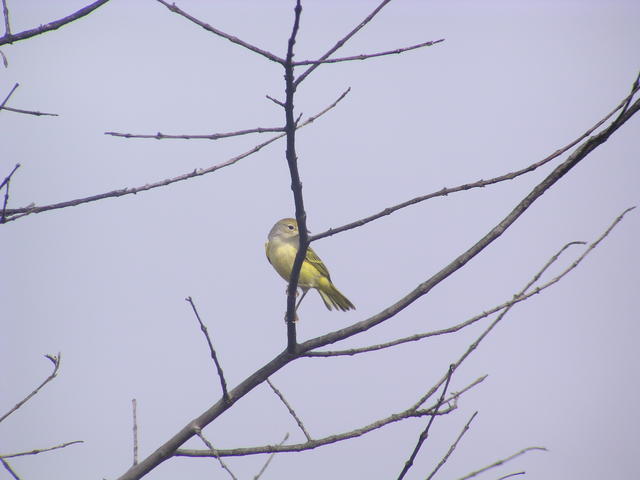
266,251
314,260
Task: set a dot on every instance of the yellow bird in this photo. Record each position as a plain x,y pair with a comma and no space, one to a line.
282,247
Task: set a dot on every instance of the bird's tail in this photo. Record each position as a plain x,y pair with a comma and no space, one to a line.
332,297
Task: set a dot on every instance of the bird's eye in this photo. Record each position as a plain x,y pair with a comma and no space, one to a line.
290,227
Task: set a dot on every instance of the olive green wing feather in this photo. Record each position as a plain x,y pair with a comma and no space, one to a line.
314,260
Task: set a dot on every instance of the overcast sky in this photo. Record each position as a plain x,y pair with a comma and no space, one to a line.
104,283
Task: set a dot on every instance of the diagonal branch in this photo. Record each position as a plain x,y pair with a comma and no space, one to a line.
425,433
290,408
501,462
419,336
14,214
220,33
8,468
6,99
11,38
622,106
56,366
29,112
366,56
266,464
341,42
212,450
223,382
453,446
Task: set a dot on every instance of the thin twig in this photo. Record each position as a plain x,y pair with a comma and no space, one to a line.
341,42
56,366
212,136
134,408
411,412
214,453
11,38
269,458
223,382
275,100
290,408
7,182
231,38
635,87
14,214
501,462
29,112
466,323
453,446
425,433
9,469
40,450
6,99
5,12
365,56
512,475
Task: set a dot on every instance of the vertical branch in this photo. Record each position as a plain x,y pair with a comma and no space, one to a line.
296,184
5,12
134,407
6,182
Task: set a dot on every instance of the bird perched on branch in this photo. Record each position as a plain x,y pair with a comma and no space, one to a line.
282,247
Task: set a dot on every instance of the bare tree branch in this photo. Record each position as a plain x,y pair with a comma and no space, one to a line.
6,99
296,184
453,446
212,136
365,56
5,12
11,38
419,336
56,366
14,214
511,475
210,447
290,408
223,382
134,408
341,42
622,106
29,112
411,412
222,34
501,462
425,433
7,182
40,450
269,458
9,469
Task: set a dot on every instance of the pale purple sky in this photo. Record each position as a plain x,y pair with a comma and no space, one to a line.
105,282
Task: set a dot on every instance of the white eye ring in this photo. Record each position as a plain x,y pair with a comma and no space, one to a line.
290,227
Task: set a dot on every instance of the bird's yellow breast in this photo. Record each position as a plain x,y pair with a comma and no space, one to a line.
282,254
